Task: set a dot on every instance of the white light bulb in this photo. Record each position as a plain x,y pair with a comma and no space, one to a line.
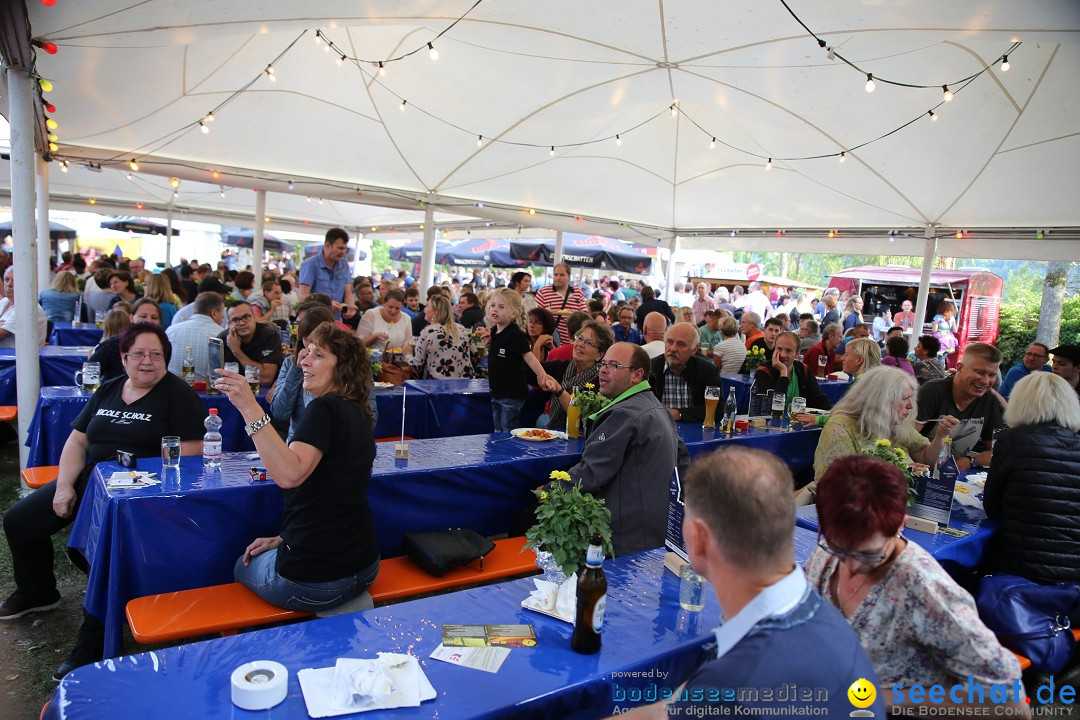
382,70
204,127
401,107
432,52
618,140
712,144
1005,65
479,141
768,165
843,156
946,93
933,116
551,152
870,82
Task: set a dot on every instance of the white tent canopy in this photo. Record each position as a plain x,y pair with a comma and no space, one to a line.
134,80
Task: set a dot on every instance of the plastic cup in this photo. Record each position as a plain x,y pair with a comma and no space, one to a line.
691,590
170,452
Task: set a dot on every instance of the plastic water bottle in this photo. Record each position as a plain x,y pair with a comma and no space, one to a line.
212,440
946,468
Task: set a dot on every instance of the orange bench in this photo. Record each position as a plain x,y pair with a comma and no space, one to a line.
231,607
35,477
8,413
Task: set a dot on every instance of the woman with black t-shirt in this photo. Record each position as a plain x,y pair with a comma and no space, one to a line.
327,551
130,413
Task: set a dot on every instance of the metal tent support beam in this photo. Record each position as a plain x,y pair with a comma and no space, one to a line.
427,262
44,241
257,240
924,284
168,238
669,292
558,246
21,118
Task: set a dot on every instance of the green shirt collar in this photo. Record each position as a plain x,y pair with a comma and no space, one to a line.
632,390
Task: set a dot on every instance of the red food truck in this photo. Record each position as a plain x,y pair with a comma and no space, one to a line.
975,292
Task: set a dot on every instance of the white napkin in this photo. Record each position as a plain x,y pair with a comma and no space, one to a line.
356,685
558,601
968,493
131,479
841,376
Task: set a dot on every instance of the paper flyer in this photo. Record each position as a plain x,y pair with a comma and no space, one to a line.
488,659
479,636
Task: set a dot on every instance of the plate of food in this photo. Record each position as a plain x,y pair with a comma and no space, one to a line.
383,385
537,434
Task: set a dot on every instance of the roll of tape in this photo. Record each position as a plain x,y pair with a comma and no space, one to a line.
259,685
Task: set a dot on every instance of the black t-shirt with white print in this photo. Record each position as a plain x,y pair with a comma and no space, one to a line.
170,408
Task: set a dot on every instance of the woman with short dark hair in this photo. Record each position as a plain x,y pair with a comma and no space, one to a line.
917,625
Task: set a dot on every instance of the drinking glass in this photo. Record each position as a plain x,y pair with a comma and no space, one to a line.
89,377
99,319
170,452
822,361
712,399
798,406
232,367
778,402
251,373
691,590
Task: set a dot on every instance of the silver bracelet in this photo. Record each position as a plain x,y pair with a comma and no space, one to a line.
253,427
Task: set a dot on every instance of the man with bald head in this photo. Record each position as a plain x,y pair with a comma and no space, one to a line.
680,376
655,327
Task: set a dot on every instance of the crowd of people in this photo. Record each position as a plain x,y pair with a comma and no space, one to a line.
870,603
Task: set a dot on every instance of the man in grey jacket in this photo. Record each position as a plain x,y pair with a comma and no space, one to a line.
631,452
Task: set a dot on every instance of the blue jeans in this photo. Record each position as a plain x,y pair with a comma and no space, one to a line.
506,413
261,577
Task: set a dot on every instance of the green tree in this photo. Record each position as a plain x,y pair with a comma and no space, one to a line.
380,255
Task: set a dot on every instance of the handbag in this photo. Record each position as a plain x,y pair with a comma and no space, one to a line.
394,374
438,552
1030,619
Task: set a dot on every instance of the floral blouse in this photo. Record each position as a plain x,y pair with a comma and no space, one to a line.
440,357
918,626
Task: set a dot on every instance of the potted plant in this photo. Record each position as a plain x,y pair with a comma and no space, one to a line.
566,518
755,358
884,450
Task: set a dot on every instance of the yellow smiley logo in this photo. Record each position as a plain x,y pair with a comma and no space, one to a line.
862,693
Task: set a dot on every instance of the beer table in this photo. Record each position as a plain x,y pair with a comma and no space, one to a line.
64,333
188,533
57,365
833,389
58,406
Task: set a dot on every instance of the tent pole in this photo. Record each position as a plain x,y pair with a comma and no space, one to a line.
257,241
168,238
21,117
558,246
669,292
924,284
44,247
427,260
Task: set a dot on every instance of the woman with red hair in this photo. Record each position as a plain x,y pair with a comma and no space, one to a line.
917,625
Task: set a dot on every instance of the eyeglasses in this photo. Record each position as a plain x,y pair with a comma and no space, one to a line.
861,557
140,355
1034,355
613,366
590,343
241,318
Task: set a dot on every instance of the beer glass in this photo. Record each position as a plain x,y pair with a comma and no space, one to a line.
89,377
798,406
233,367
778,402
251,373
712,399
822,361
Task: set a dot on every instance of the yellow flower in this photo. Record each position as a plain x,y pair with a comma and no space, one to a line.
589,386
883,443
560,475
543,496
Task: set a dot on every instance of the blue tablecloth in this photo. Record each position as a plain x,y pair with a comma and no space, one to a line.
64,334
463,407
644,630
833,389
956,554
57,365
188,534
58,406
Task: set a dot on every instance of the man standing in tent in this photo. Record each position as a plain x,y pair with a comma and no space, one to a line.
329,273
561,300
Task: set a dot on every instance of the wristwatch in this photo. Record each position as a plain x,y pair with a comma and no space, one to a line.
973,457
253,427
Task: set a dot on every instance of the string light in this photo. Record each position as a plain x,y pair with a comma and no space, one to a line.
133,165
270,73
870,82
215,174
46,86
959,234
618,140
53,147
843,156
831,54
401,107
340,61
432,52
221,190
382,69
176,194
318,37
832,234
209,117
49,107
479,141
291,186
712,144
175,182
49,47
48,3
1005,65
674,110
130,176
92,201
532,211
551,152
138,206
63,166
768,165
51,124
308,198
53,136
933,117
946,93
320,201
204,127
1039,235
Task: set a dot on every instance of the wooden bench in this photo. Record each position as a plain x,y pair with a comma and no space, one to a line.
231,607
35,477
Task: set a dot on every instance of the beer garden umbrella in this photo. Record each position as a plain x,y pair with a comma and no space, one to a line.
56,231
591,251
481,252
139,226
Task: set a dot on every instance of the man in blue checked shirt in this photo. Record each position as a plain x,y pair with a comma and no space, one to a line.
329,273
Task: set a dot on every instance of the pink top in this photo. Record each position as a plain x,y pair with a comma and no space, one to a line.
902,363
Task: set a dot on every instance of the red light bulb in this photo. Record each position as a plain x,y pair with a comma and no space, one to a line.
49,47
50,107
49,3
